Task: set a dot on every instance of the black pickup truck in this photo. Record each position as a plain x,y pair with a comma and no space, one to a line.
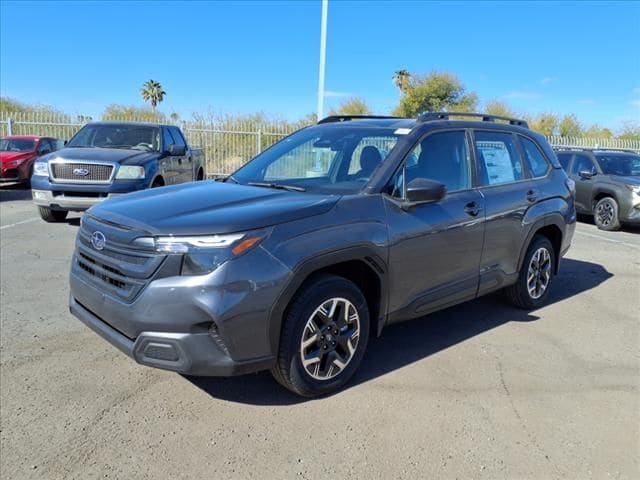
106,159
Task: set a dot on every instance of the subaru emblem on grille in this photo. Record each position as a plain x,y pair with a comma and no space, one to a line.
82,172
98,240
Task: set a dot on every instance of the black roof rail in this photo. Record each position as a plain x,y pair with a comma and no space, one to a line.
347,118
591,149
432,116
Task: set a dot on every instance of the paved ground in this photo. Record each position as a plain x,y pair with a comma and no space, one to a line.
477,391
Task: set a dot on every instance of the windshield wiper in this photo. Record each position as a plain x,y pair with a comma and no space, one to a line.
277,186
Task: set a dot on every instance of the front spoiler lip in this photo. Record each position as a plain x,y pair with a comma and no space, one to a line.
198,353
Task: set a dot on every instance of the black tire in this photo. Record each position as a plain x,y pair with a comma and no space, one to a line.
158,182
289,370
605,214
519,294
52,216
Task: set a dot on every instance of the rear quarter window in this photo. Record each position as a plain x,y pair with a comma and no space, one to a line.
538,165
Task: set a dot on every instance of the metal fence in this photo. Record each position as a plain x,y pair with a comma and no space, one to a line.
228,141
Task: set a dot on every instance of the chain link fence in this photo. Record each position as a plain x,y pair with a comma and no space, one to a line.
228,142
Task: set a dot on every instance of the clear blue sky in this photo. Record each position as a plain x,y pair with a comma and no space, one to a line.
581,57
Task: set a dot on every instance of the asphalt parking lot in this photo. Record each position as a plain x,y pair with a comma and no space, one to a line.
481,390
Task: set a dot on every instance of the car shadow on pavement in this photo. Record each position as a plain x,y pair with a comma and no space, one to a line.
408,342
14,191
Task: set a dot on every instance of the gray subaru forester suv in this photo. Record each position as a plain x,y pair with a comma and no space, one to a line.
319,242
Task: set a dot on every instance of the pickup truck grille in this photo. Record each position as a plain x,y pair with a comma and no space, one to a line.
116,270
82,172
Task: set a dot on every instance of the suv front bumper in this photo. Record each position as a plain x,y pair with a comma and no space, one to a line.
186,353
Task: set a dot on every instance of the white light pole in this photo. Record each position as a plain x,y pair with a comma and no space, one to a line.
323,58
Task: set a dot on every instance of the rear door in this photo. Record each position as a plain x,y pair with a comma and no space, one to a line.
184,162
508,194
584,185
435,248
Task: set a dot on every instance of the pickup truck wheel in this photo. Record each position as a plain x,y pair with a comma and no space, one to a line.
52,216
606,214
535,277
324,337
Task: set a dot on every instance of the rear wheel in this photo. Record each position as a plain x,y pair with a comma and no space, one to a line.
52,216
535,277
324,336
606,214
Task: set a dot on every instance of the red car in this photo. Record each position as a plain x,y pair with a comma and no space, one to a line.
18,152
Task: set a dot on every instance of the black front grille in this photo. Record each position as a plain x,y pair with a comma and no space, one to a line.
81,172
117,269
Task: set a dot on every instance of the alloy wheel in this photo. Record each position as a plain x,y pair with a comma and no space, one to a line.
330,338
539,273
605,213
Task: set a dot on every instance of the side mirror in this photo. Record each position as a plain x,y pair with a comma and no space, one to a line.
65,143
586,174
423,190
177,150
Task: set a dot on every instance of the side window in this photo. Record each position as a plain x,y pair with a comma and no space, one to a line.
498,158
167,139
177,137
581,163
443,157
537,163
45,145
564,159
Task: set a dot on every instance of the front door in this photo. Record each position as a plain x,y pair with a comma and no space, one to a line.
584,184
435,248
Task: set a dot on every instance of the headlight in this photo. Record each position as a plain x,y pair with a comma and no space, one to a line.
634,188
203,254
17,162
130,172
41,168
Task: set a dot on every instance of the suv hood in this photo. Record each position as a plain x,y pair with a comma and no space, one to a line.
206,208
628,179
118,155
11,156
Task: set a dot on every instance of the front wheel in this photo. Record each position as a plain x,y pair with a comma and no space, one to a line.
535,277
606,214
52,216
324,336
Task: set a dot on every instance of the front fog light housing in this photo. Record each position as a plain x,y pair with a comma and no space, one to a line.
130,172
39,195
203,254
41,169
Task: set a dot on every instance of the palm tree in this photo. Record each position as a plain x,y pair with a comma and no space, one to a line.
152,92
401,79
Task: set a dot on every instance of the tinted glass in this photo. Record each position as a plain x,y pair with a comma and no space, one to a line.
498,158
581,163
564,159
45,145
177,137
167,139
121,136
320,158
16,145
617,164
537,163
443,157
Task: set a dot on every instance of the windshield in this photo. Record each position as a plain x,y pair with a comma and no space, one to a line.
618,164
324,158
134,137
16,145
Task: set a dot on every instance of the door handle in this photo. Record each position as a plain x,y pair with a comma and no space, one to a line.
472,208
532,195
